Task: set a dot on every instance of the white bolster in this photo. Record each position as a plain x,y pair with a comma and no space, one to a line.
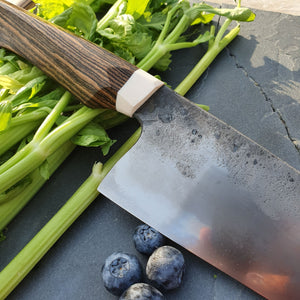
136,91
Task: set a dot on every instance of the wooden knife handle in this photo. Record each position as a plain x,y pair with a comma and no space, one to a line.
89,72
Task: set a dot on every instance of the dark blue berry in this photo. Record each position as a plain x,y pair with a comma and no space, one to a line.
146,239
120,271
142,291
165,267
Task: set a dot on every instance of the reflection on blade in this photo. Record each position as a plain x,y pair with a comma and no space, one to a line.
216,193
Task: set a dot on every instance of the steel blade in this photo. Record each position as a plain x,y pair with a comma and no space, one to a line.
215,192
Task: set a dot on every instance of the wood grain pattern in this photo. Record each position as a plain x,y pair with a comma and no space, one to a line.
90,73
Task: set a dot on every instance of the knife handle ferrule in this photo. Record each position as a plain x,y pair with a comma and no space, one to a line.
136,91
92,74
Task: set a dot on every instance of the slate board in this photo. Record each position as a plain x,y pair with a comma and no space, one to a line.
254,85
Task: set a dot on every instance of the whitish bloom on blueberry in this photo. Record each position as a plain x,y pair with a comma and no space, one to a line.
146,239
165,267
120,271
142,291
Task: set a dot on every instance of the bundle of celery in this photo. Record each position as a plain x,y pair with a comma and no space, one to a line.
37,117
40,123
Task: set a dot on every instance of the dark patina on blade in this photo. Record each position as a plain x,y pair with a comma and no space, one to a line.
215,192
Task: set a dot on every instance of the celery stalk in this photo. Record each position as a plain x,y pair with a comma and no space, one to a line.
112,13
10,209
32,156
214,49
15,134
28,257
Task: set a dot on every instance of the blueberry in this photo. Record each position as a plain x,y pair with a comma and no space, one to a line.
165,267
146,239
142,291
120,271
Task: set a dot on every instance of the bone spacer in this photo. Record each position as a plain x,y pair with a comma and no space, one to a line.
136,91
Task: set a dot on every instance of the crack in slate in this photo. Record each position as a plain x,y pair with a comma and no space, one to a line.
268,99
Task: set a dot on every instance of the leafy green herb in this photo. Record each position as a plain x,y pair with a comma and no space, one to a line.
241,14
10,84
93,135
136,8
5,114
49,9
79,18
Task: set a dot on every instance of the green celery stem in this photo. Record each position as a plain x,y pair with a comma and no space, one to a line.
161,46
10,209
11,166
178,30
35,154
68,129
152,57
15,134
15,159
112,13
19,267
25,166
50,120
205,61
38,115
30,255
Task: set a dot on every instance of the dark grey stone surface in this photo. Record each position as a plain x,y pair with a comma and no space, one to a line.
253,86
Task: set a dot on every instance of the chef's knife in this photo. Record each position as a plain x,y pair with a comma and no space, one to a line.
191,176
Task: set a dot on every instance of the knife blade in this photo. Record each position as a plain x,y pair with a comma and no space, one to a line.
226,199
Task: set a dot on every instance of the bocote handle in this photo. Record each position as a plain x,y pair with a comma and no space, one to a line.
89,72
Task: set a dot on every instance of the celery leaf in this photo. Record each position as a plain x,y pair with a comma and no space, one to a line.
136,8
79,18
238,13
93,135
44,170
5,114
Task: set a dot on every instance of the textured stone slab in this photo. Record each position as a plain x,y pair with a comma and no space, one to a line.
253,85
